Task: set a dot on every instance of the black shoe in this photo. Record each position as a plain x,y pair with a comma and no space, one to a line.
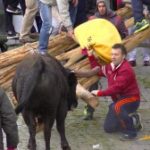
13,10
88,112
127,137
137,121
3,47
132,63
12,34
146,63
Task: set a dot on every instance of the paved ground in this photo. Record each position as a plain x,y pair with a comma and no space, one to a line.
82,135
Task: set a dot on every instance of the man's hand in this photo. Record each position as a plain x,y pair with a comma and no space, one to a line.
75,2
96,93
70,33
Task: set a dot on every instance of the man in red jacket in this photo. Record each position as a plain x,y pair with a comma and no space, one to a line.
124,90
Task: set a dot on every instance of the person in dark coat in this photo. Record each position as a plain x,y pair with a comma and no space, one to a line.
105,13
8,123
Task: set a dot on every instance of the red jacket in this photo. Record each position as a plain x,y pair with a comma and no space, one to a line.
121,80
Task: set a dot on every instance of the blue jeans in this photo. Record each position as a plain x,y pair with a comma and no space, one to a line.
137,6
113,121
46,29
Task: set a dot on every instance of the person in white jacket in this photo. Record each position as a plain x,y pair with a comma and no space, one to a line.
46,16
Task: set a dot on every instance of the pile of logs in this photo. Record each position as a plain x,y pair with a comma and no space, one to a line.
67,51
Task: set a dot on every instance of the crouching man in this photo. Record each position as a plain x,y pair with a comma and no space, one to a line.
123,89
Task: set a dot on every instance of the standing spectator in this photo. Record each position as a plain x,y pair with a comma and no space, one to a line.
140,22
145,52
105,13
7,123
9,22
45,12
28,19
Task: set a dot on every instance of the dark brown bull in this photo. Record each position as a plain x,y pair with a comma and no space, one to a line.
45,90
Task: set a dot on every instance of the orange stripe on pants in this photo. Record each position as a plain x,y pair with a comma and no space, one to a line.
124,101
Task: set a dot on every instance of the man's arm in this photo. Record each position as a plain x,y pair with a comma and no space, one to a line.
122,81
87,73
63,7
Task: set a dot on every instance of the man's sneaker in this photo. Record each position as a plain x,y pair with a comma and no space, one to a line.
139,26
88,112
13,10
127,137
137,121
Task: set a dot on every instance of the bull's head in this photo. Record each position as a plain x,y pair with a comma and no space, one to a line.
72,99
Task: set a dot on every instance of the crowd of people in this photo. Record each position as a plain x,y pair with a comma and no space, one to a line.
122,84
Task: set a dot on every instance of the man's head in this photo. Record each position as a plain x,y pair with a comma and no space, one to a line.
102,8
118,53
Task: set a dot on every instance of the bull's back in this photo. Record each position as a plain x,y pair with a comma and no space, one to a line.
44,86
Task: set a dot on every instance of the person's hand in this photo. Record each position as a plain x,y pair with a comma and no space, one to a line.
89,52
75,2
97,69
70,33
91,17
96,93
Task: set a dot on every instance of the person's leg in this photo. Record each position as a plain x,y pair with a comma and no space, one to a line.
111,123
146,2
23,6
141,22
88,110
73,12
132,57
137,6
28,19
46,29
123,108
146,53
13,3
38,22
9,23
81,13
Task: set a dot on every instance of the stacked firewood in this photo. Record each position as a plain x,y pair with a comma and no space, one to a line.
68,52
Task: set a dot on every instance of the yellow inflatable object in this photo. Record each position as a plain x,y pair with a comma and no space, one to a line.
99,35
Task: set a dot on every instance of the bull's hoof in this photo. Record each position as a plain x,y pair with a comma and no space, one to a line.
30,147
66,147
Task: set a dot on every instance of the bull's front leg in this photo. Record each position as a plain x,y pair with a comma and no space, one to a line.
29,119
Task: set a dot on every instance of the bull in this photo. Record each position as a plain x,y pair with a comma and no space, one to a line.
45,90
